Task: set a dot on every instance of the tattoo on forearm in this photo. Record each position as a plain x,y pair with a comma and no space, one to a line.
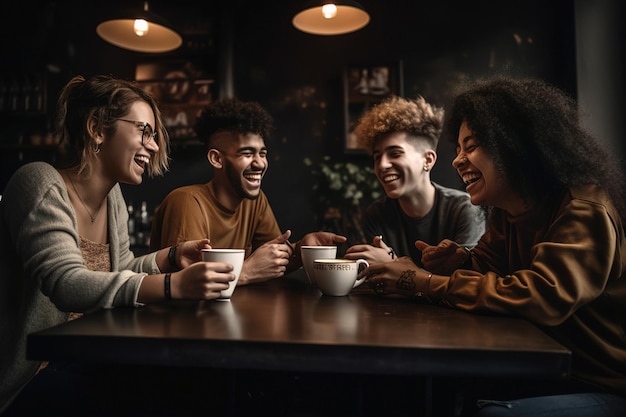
407,281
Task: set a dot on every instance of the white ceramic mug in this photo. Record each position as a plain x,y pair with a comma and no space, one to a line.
338,276
311,253
234,257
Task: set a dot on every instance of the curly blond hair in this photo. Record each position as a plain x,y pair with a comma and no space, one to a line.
416,117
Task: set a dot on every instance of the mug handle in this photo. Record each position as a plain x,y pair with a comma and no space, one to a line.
360,262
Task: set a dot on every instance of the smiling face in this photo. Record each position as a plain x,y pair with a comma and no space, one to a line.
486,185
399,164
243,163
123,156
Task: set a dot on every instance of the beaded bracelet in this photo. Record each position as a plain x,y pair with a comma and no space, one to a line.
167,286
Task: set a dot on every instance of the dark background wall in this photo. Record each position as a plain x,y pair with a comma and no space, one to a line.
254,53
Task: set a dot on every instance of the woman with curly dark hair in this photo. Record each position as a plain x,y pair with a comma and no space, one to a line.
554,251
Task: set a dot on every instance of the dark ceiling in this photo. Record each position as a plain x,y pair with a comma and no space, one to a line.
56,28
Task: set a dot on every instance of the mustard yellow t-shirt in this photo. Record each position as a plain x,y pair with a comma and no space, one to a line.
193,212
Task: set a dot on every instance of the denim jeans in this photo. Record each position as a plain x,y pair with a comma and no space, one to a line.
585,404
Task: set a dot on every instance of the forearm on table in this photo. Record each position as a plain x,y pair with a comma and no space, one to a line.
166,259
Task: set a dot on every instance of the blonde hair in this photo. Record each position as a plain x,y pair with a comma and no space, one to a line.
104,99
417,118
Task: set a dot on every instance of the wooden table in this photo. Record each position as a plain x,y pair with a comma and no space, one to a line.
285,325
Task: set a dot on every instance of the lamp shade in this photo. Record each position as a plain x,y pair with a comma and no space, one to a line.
349,16
155,36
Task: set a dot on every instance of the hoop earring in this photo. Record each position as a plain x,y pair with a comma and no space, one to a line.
96,148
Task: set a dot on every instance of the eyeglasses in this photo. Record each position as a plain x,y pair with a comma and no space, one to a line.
147,133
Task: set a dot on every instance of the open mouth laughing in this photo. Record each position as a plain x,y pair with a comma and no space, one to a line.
471,177
142,161
254,177
390,178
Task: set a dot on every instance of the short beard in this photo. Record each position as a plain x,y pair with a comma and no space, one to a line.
236,182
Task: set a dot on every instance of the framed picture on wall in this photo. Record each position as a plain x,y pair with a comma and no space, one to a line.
182,91
366,85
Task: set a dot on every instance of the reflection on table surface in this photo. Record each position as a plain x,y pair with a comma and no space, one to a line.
285,324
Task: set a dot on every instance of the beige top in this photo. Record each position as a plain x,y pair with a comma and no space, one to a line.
97,258
96,255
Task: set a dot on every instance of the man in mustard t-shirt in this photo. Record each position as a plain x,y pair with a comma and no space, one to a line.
231,209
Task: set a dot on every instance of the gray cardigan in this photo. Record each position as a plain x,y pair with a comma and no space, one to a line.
42,274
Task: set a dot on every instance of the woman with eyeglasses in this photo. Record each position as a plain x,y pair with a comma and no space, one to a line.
554,252
64,243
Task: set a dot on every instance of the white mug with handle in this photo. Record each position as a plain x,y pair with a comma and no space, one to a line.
337,277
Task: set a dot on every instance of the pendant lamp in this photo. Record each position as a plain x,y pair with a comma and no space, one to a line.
326,17
142,31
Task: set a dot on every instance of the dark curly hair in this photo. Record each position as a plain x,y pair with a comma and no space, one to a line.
233,115
416,117
533,132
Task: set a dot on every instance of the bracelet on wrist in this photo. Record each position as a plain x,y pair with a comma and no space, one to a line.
424,294
167,286
171,256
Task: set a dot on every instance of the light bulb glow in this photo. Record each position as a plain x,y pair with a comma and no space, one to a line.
329,10
331,18
140,27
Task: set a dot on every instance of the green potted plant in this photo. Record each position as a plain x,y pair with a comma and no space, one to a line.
342,190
